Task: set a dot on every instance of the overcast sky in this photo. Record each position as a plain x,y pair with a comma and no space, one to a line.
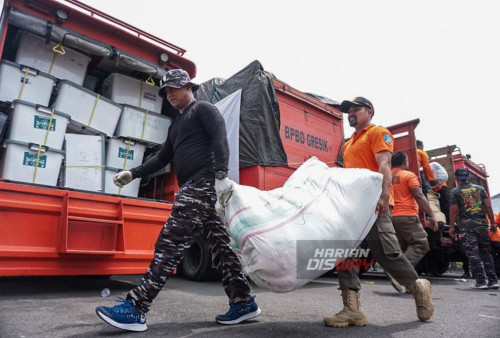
433,60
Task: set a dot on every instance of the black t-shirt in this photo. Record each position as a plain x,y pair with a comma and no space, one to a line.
469,199
196,144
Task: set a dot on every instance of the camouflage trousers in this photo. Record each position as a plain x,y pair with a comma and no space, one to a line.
193,215
476,242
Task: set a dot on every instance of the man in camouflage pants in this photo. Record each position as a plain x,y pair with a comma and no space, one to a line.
470,205
197,144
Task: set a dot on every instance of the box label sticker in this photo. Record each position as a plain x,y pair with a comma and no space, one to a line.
30,160
42,122
122,152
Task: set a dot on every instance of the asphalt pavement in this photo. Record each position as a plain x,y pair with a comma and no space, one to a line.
65,307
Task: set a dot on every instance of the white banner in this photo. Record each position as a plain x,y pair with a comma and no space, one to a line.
230,110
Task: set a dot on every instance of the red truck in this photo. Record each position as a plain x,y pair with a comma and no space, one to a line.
53,230
50,230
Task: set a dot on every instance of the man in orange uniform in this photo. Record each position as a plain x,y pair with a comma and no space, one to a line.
442,189
408,200
495,245
370,147
423,162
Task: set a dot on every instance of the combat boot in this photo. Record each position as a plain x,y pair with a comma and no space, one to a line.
421,291
351,314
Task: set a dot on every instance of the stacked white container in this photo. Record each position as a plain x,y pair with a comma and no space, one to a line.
123,154
85,161
52,58
33,150
30,162
92,113
143,125
37,124
22,82
131,189
128,90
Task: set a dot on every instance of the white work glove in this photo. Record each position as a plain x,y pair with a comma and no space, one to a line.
224,190
122,178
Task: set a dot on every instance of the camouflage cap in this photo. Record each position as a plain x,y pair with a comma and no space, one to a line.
176,78
462,174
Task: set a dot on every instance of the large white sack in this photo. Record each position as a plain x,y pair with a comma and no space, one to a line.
317,204
440,173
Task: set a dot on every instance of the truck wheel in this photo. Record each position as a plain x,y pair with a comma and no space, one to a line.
436,263
197,262
420,267
443,266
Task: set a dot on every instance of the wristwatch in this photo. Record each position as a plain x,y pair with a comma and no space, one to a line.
220,174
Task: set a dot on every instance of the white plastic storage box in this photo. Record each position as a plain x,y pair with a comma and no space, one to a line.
4,122
22,161
131,189
91,82
85,160
128,90
87,109
143,125
124,153
22,82
30,123
33,52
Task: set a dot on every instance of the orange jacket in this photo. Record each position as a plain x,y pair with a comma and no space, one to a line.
437,188
423,161
496,236
359,151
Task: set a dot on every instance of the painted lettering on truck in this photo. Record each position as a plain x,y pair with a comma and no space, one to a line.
312,141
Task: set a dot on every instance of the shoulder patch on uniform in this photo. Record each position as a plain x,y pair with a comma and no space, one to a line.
387,139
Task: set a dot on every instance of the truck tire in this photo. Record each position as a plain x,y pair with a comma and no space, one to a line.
434,263
197,262
420,267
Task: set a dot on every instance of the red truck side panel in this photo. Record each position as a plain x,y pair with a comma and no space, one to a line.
451,158
308,127
48,231
404,140
265,178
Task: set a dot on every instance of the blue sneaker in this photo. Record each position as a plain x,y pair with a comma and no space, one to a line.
239,312
123,316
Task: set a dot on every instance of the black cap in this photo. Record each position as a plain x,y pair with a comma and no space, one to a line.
357,101
462,174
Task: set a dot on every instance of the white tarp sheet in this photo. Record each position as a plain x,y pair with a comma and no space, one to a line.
317,203
230,110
